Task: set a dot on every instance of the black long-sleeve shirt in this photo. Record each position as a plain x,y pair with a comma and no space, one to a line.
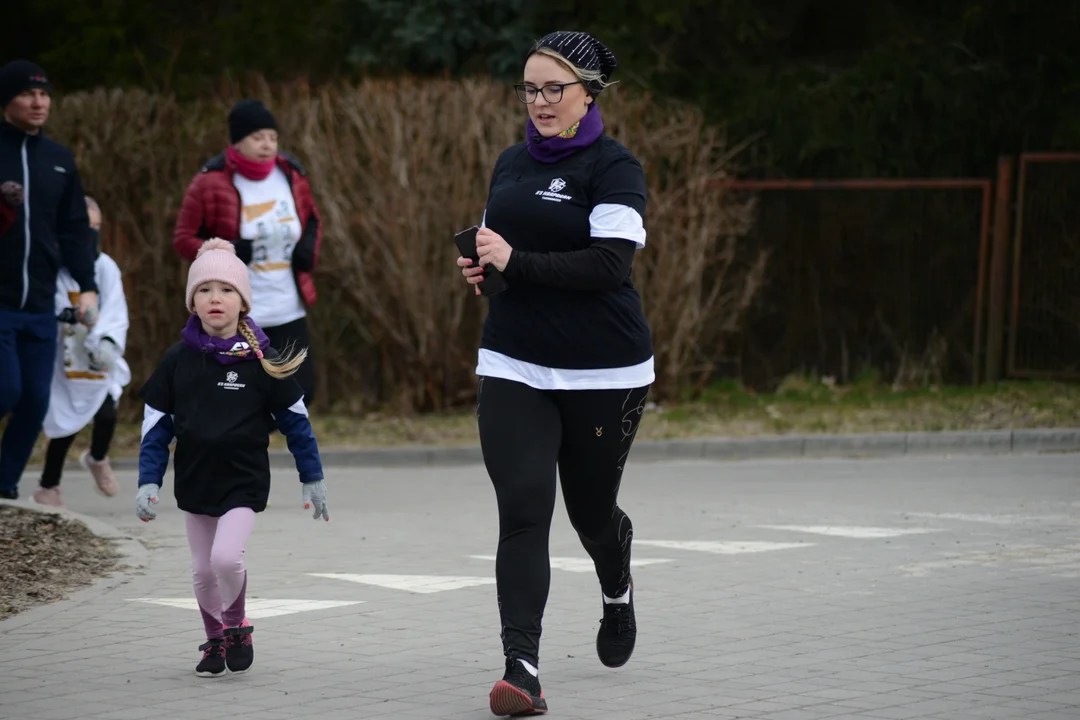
604,265
51,227
573,227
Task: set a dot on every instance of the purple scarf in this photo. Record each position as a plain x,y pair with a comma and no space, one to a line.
580,135
221,349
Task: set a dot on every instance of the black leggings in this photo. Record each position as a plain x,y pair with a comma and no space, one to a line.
524,435
100,439
295,333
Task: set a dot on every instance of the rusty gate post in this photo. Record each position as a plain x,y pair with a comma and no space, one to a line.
999,252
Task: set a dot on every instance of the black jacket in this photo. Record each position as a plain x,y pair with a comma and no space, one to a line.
221,417
51,227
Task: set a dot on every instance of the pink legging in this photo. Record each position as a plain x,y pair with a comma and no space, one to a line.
217,565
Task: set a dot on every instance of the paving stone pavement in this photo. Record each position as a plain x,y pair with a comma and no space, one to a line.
944,588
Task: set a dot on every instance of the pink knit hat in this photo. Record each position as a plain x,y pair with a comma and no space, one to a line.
216,260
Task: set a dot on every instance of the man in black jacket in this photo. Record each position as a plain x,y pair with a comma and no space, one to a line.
46,227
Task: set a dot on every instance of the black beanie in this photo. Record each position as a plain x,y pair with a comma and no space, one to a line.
583,51
18,76
248,116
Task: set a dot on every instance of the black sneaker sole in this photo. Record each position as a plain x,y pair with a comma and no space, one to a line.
205,674
509,701
607,662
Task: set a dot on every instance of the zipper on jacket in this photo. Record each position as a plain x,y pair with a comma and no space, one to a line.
26,228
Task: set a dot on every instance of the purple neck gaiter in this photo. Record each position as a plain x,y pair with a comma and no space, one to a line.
225,350
562,146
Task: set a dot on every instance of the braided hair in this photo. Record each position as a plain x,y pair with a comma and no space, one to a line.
280,367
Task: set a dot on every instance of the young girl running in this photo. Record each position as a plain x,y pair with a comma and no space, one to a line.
219,391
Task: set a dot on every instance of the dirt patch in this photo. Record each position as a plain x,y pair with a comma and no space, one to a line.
44,556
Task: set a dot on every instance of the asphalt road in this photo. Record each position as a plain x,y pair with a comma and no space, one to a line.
941,588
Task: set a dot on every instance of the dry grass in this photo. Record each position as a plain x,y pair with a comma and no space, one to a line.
397,167
800,405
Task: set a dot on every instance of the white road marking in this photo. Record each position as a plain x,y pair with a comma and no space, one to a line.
256,608
852,531
733,547
997,519
412,583
1057,561
581,565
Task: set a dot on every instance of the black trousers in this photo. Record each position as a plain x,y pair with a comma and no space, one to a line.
295,334
100,439
525,434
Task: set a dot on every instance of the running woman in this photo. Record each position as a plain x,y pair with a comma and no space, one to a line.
566,358
259,198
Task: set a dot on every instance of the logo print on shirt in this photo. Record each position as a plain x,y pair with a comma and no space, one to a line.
230,381
554,191
272,239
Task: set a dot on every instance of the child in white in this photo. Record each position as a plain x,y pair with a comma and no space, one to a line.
90,374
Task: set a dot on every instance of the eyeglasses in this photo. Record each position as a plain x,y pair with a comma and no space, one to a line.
552,93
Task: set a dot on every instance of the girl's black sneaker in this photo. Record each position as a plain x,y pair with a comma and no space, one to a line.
213,659
239,650
518,694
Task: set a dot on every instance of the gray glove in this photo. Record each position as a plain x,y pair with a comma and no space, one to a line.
103,357
147,496
90,318
315,496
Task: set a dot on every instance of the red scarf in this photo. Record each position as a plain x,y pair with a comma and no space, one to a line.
251,169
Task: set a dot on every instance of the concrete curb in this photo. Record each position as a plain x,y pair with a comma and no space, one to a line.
1025,441
133,557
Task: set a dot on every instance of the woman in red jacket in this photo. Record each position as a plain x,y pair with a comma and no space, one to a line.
259,198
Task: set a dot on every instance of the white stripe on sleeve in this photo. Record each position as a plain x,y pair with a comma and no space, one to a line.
297,407
609,220
151,417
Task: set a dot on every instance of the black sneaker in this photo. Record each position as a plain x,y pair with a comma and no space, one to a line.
12,494
618,632
239,650
518,694
213,659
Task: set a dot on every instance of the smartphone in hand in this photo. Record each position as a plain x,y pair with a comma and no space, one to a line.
493,282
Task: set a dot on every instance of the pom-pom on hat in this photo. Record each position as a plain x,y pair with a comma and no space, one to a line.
216,260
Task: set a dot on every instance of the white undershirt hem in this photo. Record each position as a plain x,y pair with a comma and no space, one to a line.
494,364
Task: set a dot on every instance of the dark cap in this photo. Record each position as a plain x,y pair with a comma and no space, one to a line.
248,116
19,76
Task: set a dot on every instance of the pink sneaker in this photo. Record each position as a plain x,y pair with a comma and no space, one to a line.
48,496
102,473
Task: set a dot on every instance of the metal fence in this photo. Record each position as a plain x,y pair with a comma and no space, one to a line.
1044,322
885,275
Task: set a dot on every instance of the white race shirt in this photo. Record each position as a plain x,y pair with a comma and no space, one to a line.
269,219
77,391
